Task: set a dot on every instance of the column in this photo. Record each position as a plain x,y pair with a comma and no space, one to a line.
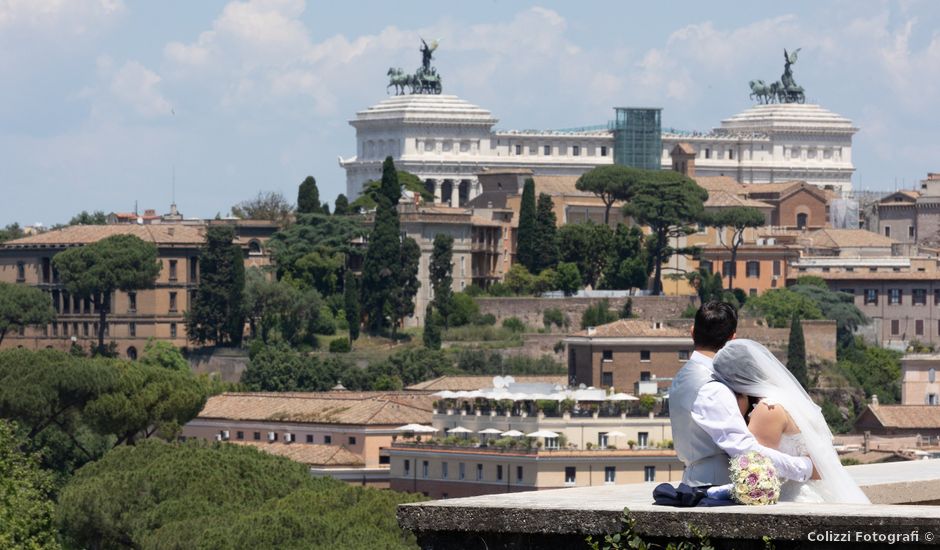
438,184
454,193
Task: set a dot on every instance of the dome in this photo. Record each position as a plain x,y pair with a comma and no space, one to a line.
425,108
788,117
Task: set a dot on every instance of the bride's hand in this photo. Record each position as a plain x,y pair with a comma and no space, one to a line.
815,473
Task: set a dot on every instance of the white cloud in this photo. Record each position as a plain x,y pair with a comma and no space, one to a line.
136,86
70,16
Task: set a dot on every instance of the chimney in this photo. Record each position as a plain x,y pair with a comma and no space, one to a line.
683,159
591,331
874,400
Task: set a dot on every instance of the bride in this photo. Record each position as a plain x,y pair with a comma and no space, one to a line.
782,416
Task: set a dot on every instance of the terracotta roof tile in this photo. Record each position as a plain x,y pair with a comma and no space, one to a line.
878,276
684,147
634,328
307,453
558,185
357,408
719,183
838,238
723,199
907,416
468,383
160,234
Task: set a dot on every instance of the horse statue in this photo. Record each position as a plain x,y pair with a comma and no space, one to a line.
398,79
760,91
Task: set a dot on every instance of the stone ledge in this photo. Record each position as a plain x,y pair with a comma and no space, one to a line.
565,516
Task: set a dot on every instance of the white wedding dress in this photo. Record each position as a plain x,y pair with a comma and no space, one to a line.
794,491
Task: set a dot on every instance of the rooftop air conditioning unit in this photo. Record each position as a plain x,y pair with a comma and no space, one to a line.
272,436
224,435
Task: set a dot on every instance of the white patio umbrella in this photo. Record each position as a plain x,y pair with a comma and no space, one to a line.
416,428
490,431
459,430
622,397
542,433
616,433
512,433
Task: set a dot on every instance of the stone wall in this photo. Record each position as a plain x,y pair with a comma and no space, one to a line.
529,310
227,364
820,338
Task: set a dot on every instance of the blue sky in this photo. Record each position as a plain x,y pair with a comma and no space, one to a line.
101,99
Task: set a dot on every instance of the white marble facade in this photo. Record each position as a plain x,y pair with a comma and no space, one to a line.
446,141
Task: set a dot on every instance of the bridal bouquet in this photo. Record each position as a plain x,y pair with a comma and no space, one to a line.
754,480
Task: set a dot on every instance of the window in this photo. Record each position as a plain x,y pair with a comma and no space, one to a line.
385,459
603,150
352,440
910,231
602,440
887,231
752,292
407,466
444,470
518,149
607,379
610,474
608,355
848,291
65,329
499,472
327,439
776,268
708,153
649,473
730,154
461,471
801,220
424,469
895,327
173,270
20,272
551,442
132,353
570,474
936,297
193,269
728,268
55,329
256,436
684,355
132,329
919,296
519,474
239,435
547,150
309,438
932,399
644,376
172,301
871,296
645,355
894,296
131,302
85,329
576,151
479,472
753,269
705,265
172,330
919,327
642,439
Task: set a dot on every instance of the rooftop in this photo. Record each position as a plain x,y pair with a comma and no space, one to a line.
356,408
73,235
788,117
468,383
634,328
307,453
840,238
906,416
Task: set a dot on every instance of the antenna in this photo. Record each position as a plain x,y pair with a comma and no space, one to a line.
173,196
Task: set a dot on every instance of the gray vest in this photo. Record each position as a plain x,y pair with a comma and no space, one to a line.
705,462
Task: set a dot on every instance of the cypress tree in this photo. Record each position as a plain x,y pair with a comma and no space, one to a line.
351,306
341,206
408,283
308,196
217,312
547,234
391,187
796,352
440,270
432,328
527,244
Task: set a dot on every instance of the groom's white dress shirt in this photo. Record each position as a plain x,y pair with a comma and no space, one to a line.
716,411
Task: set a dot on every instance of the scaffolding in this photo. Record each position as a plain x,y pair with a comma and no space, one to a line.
638,138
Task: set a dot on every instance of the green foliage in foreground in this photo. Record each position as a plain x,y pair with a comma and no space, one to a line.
26,512
221,495
628,538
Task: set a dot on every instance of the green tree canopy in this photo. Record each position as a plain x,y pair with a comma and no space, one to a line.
440,268
668,202
27,513
351,306
217,314
325,235
308,197
370,190
628,260
876,370
546,254
527,245
736,220
158,353
587,245
838,306
779,305
22,306
97,217
432,332
597,314
796,352
341,205
568,278
96,270
611,183
10,232
137,497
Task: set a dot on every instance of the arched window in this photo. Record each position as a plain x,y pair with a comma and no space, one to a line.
932,375
132,353
801,220
254,248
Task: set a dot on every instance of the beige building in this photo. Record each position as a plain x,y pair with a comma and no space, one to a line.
339,434
919,384
137,316
899,420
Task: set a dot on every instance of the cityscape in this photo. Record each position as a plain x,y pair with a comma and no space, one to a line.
289,292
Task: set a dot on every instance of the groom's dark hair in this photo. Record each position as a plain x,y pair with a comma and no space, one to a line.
715,324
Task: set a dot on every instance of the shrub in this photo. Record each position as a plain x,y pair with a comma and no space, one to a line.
647,403
514,324
553,316
626,312
598,314
487,319
339,345
464,310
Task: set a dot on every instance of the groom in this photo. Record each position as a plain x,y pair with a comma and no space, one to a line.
707,426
